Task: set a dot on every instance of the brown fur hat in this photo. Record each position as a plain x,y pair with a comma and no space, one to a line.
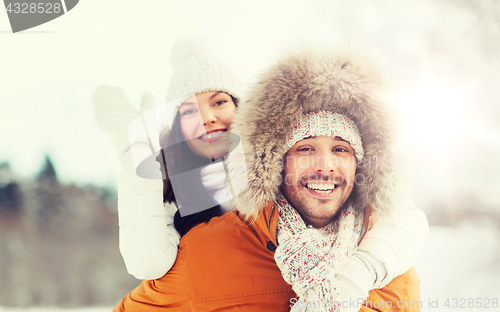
345,80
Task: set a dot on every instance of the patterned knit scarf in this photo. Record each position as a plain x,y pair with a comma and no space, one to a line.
308,257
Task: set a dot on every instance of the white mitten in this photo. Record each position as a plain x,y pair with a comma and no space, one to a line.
125,125
395,244
148,239
214,179
355,278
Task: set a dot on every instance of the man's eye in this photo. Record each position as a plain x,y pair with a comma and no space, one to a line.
340,150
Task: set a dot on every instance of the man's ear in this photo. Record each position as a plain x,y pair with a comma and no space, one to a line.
371,215
367,222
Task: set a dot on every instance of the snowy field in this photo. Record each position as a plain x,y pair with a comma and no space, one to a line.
463,263
459,263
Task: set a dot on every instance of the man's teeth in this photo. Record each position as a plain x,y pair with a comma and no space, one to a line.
211,135
321,188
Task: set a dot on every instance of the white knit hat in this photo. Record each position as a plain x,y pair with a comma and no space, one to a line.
197,71
328,124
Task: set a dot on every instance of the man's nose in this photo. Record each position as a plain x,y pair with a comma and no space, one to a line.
325,162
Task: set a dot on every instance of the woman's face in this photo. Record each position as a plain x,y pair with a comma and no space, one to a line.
205,122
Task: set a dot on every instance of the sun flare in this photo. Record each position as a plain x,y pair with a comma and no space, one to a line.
434,110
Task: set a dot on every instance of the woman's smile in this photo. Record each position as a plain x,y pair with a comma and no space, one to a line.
205,118
212,136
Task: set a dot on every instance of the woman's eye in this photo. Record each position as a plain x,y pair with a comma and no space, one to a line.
219,103
188,112
305,149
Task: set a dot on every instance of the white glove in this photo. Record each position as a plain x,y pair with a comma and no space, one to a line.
148,239
214,179
355,278
213,176
115,115
395,243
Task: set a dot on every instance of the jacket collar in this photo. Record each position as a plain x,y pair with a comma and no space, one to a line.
267,221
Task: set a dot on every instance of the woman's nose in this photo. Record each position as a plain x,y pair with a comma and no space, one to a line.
208,116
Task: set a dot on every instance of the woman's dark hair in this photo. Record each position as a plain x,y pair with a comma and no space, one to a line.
176,150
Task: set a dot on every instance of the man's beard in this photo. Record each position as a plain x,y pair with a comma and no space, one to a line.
304,209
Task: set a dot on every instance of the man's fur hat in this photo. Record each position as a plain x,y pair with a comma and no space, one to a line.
345,80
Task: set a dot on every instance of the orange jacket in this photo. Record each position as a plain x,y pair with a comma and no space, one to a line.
228,264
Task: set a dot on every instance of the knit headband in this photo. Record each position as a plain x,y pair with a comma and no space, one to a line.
328,124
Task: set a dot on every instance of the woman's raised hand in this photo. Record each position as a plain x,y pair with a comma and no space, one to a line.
126,125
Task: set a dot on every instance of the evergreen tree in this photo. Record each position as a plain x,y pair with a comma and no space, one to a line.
48,194
11,197
48,172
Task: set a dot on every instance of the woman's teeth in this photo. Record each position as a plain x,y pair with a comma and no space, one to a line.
321,188
211,135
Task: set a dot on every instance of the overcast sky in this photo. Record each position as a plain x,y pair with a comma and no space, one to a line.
441,55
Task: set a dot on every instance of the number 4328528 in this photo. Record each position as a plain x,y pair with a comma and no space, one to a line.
34,8
470,303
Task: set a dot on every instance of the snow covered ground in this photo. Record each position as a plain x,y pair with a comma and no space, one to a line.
460,263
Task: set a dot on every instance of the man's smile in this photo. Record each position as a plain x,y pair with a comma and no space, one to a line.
322,189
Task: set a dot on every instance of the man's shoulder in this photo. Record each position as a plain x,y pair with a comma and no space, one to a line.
215,230
228,228
228,260
221,239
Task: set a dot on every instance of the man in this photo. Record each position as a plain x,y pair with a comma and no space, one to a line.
318,142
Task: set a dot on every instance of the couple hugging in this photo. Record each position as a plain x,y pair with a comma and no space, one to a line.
290,197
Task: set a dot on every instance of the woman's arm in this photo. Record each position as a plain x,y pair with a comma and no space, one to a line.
148,239
392,246
388,250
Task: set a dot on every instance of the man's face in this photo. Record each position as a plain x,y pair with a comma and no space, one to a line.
319,177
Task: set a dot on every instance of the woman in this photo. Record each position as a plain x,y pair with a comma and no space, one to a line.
205,95
192,153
